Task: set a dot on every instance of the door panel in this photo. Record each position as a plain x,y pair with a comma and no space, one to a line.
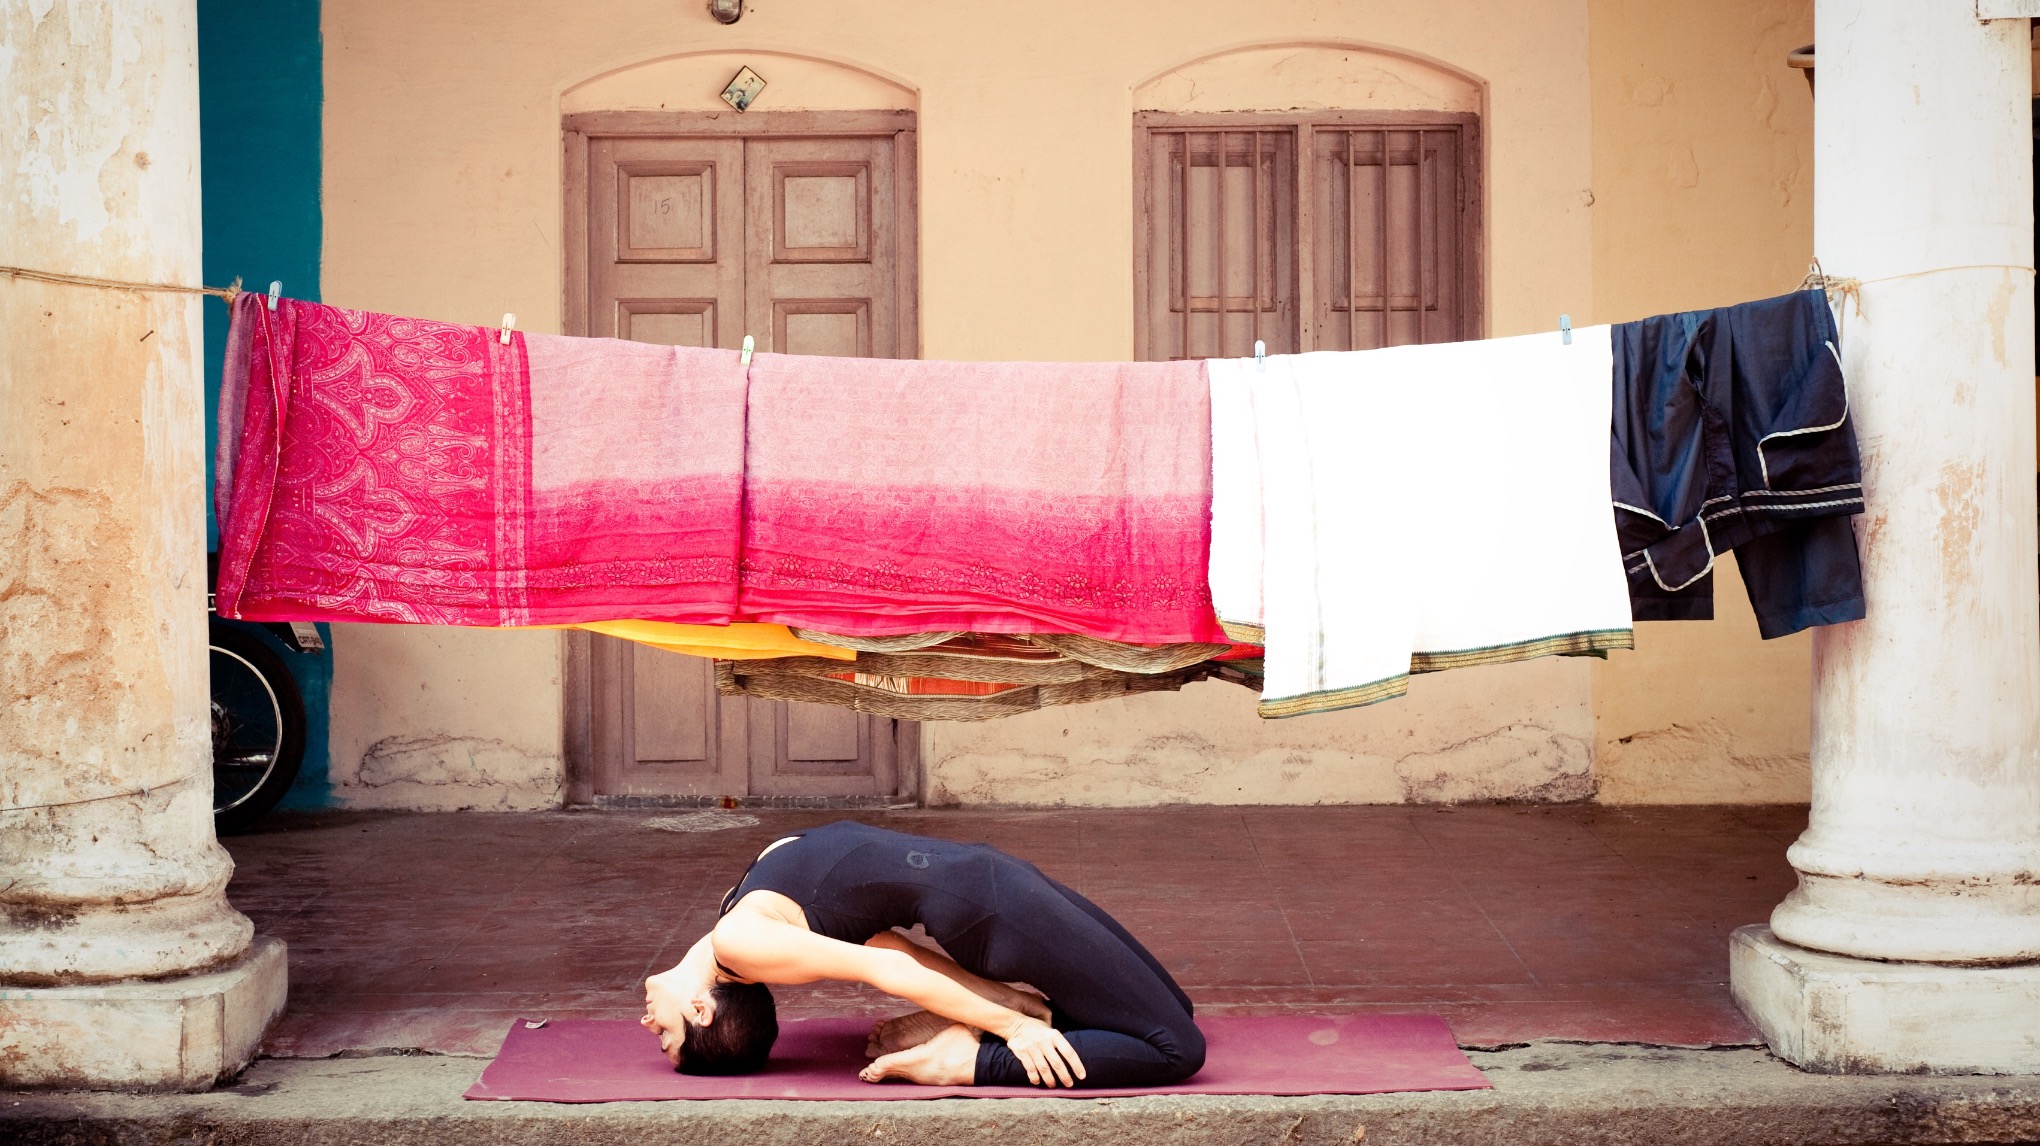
665,239
819,235
1389,272
834,326
668,321
820,733
823,212
822,245
670,707
656,729
666,212
695,242
1220,260
818,750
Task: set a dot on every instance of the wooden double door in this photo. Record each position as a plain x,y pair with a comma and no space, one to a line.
797,229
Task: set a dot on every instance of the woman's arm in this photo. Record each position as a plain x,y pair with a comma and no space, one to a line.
1012,998
768,950
771,951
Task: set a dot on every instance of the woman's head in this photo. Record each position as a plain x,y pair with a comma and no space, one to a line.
742,1024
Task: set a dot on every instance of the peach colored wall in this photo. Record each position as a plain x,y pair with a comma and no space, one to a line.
1521,732
446,718
694,82
1308,77
1703,195
443,199
443,151
1506,732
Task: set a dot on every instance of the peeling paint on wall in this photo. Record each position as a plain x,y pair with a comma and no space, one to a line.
69,601
2000,309
1510,732
454,773
443,719
1958,493
1703,763
1523,761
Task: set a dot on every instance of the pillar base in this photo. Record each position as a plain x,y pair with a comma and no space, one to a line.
185,1033
1832,1014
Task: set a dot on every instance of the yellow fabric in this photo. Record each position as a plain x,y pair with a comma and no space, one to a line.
738,642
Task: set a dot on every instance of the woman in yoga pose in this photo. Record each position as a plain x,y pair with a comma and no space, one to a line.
824,904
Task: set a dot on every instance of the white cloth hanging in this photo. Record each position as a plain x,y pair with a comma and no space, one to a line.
1413,509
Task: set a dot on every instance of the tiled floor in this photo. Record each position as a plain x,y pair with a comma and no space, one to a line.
1573,922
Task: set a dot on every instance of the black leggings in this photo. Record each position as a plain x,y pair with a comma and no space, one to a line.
1126,1018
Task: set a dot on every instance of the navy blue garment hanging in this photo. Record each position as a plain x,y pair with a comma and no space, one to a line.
1732,432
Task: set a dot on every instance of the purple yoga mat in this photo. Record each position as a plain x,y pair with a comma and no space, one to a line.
585,1060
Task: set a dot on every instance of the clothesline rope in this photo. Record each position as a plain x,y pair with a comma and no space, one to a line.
33,275
1851,289
1835,285
142,792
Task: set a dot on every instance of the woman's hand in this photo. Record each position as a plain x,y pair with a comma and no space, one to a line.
1048,1057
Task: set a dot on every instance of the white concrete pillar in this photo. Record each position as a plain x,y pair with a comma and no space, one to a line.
109,872
1924,843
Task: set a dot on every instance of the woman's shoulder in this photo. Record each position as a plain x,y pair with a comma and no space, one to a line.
761,902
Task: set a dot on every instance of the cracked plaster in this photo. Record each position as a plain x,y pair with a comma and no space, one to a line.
445,719
1509,732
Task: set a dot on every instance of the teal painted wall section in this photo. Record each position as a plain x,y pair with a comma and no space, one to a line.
261,93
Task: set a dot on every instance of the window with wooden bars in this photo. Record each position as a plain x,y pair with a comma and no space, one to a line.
1320,231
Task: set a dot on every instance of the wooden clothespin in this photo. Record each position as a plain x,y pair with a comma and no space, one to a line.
275,291
509,324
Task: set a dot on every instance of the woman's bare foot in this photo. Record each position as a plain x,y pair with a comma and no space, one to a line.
947,1059
890,1036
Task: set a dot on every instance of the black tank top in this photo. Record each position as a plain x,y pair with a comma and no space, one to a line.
854,881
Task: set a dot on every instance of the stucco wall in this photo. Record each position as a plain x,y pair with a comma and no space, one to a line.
1523,732
1703,195
1509,732
446,719
443,199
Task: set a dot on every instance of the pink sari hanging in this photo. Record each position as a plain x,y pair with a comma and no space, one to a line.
377,468
884,497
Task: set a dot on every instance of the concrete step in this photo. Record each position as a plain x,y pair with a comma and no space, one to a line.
1575,1094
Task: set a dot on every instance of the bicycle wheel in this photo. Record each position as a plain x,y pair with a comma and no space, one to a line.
258,727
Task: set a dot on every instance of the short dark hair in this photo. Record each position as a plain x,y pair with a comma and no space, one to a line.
739,1038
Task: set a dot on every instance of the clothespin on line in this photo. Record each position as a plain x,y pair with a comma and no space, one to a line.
1565,329
275,291
750,344
509,324
1260,355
